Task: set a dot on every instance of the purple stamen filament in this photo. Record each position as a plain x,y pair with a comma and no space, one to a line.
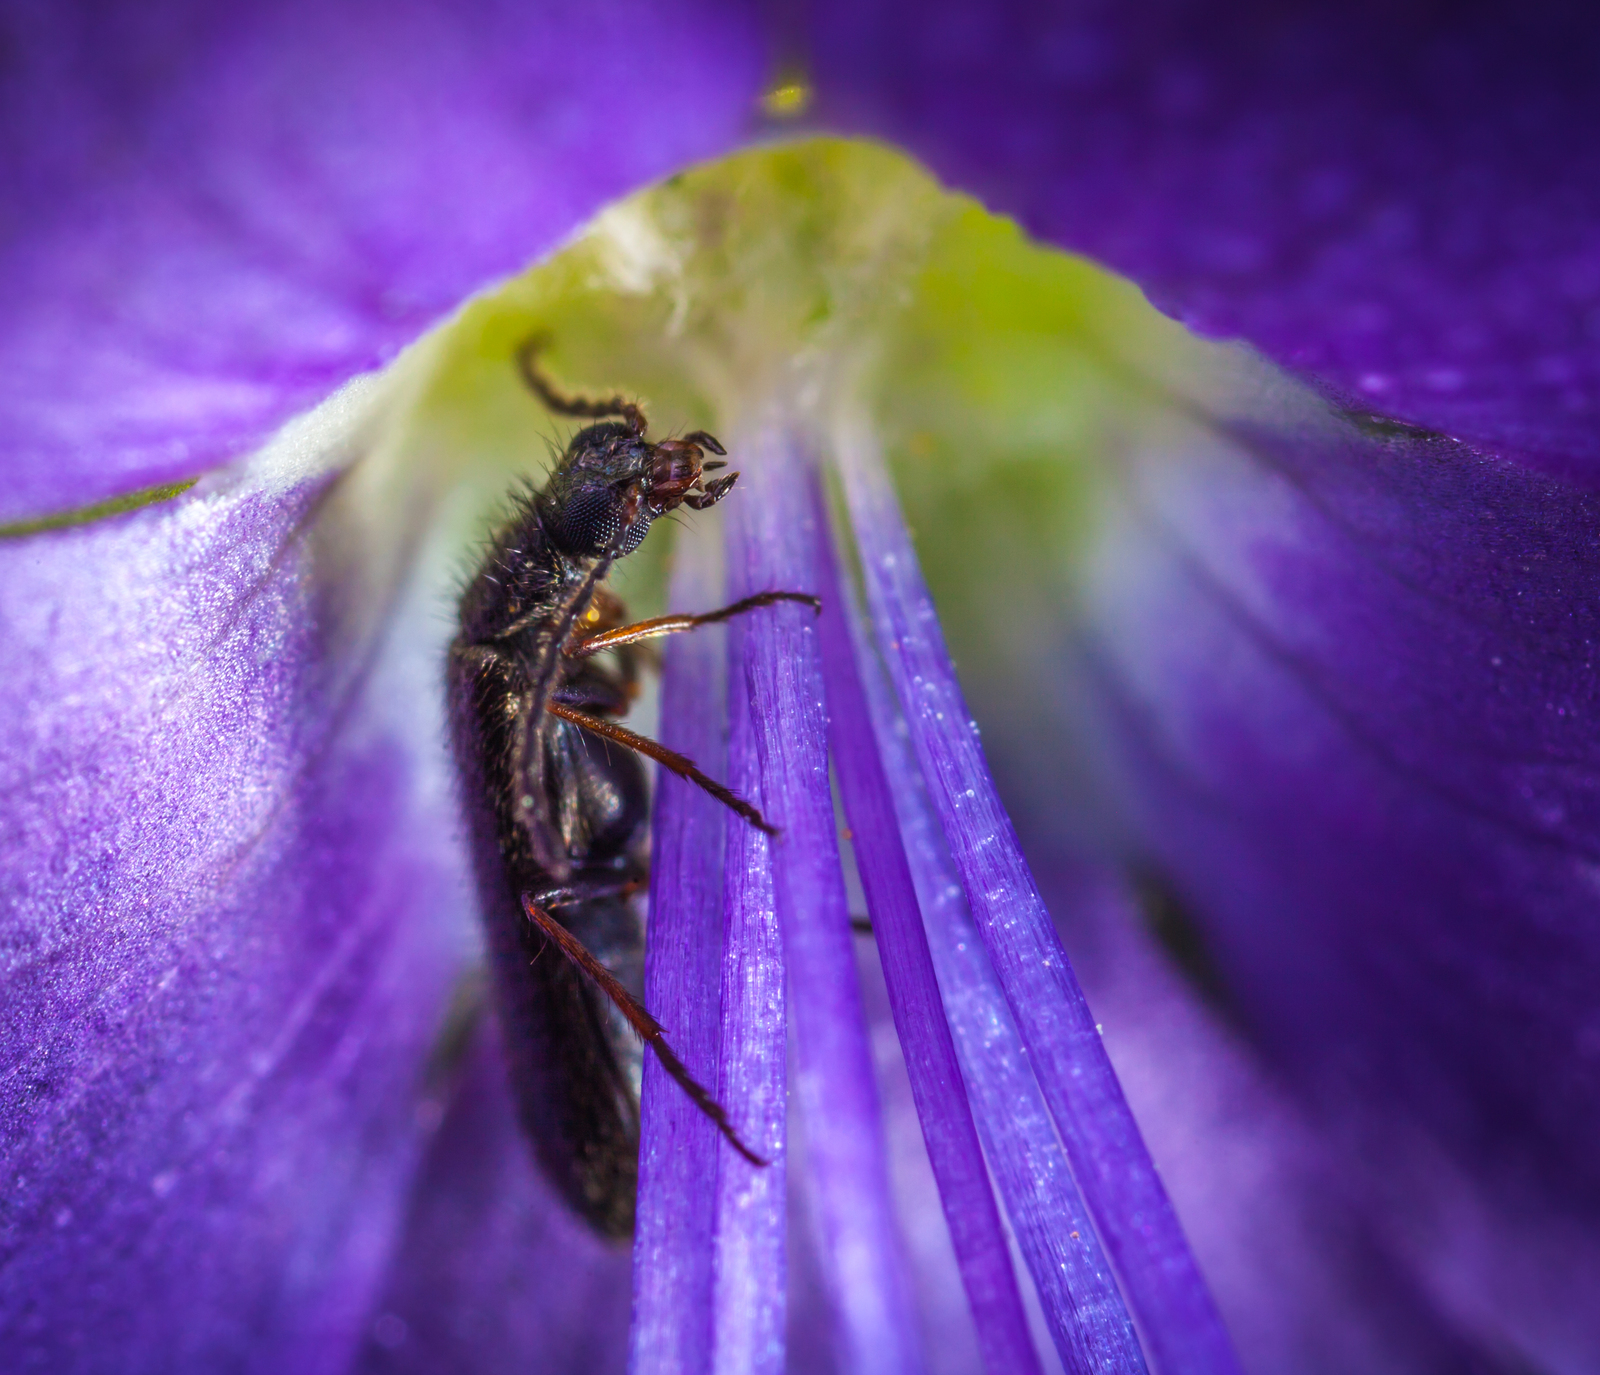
930,1053
772,539
750,1274
1087,1317
1169,1299
677,1156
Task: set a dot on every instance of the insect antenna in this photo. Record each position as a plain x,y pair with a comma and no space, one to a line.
562,404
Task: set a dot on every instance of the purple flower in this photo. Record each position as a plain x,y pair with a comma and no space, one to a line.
1304,766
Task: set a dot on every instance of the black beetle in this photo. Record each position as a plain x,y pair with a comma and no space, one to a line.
558,821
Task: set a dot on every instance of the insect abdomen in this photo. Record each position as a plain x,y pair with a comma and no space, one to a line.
569,1064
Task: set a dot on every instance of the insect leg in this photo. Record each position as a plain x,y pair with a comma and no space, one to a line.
702,440
712,494
561,404
684,768
492,675
640,1020
589,695
674,625
551,898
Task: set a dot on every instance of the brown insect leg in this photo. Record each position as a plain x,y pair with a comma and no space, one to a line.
684,768
701,439
579,406
674,625
640,1020
712,494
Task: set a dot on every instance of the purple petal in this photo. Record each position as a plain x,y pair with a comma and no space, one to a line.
772,547
475,1282
930,1054
223,879
1305,1283
1403,204
1113,1168
217,216
678,1144
1351,697
1190,175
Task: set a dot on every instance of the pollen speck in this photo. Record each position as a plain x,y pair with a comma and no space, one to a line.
789,99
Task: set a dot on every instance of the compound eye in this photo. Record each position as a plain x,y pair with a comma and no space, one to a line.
588,521
635,533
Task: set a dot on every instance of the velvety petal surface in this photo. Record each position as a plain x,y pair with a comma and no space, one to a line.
225,952
1353,691
214,216
1399,201
493,1271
